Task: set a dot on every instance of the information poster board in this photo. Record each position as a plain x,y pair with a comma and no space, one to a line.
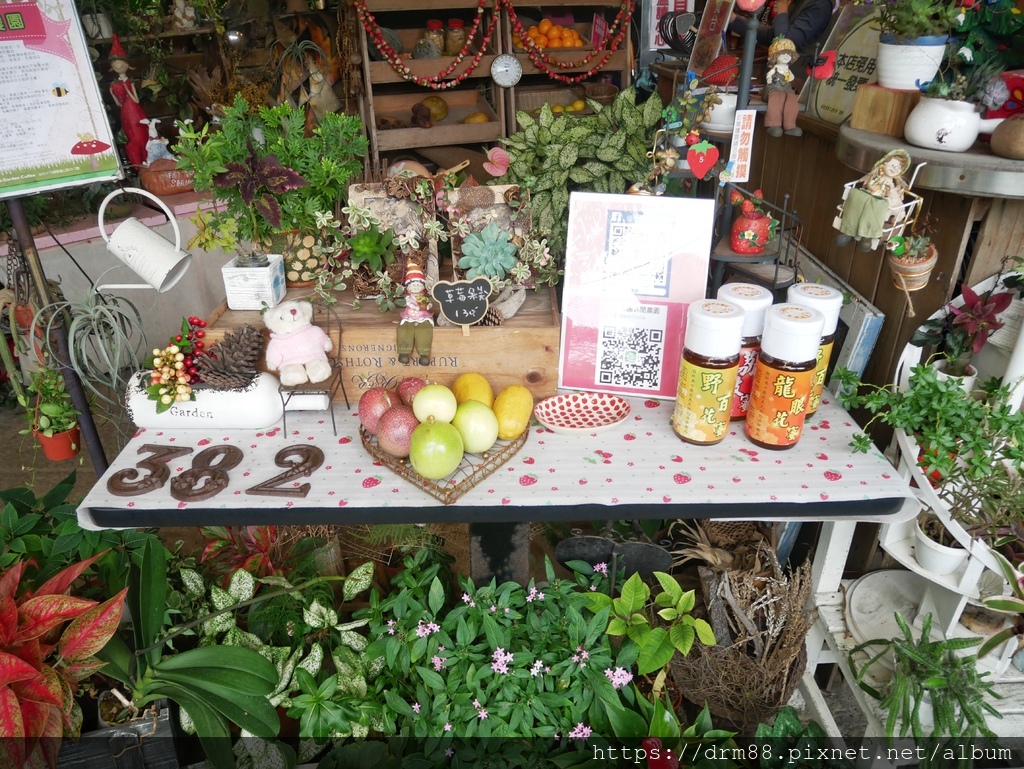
53,130
855,41
633,265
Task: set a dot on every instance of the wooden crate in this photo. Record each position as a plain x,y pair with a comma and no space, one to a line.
451,130
582,29
522,351
382,72
882,110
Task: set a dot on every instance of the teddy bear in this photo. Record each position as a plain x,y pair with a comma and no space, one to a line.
297,348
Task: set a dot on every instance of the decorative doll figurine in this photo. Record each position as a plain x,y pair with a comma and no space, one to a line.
184,16
778,90
156,145
123,93
878,199
416,329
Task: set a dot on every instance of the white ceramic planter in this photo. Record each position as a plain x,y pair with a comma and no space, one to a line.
252,408
909,65
966,381
248,288
97,26
934,557
941,124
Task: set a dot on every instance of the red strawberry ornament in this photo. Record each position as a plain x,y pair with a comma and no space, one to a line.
701,158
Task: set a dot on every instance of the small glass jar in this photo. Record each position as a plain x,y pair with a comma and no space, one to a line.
829,302
454,37
435,33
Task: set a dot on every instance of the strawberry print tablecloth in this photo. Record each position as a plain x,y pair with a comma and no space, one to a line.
638,461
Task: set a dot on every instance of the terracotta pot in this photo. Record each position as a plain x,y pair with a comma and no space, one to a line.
750,233
912,276
60,446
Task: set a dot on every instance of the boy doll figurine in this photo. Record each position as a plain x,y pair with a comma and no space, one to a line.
416,329
778,90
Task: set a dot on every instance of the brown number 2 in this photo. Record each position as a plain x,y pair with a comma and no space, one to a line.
301,461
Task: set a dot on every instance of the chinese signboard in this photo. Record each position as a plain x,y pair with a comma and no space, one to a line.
742,144
657,9
53,130
633,265
855,41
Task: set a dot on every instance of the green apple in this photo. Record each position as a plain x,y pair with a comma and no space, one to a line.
434,400
435,449
477,425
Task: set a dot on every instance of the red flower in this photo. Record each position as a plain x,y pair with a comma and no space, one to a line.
977,317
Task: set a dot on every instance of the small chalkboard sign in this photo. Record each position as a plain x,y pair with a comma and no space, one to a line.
463,302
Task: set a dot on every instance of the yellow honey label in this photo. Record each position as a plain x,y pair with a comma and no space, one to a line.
778,405
818,382
703,403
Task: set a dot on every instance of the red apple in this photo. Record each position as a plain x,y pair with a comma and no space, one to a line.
408,388
372,405
394,430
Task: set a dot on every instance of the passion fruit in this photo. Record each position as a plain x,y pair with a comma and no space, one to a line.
438,108
476,117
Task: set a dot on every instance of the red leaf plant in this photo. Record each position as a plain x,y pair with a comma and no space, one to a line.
253,548
47,641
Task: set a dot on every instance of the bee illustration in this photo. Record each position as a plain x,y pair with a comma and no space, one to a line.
59,90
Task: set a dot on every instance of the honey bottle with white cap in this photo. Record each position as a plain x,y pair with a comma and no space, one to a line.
754,300
829,302
707,371
783,375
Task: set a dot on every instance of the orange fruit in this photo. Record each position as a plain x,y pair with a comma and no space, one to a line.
544,26
532,32
577,43
555,30
541,41
554,41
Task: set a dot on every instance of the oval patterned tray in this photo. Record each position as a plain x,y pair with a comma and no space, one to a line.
576,413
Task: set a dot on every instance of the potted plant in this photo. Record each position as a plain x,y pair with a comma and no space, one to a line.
948,117
325,160
926,669
912,258
51,415
964,330
371,251
47,648
935,549
913,40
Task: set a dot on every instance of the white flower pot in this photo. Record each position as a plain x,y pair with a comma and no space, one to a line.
254,407
941,124
248,288
934,557
909,65
967,381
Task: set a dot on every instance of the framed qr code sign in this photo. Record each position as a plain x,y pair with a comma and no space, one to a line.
633,264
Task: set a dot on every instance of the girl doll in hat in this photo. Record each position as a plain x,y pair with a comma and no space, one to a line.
124,95
878,199
778,90
416,329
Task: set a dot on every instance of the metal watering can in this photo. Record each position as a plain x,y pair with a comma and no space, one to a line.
149,255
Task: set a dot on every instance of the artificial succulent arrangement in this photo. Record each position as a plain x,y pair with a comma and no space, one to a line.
372,247
489,253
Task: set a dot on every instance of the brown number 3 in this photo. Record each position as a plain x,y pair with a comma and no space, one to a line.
301,461
209,465
126,483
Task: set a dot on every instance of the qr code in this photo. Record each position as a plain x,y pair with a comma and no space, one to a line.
629,247
630,357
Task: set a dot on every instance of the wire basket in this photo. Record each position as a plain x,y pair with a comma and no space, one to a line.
473,468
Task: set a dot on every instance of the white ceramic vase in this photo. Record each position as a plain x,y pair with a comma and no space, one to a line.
967,381
941,124
936,558
908,65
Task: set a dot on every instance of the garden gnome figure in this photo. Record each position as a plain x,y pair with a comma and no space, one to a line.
877,199
124,95
778,90
416,329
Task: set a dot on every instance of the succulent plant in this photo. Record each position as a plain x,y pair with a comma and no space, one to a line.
488,253
372,248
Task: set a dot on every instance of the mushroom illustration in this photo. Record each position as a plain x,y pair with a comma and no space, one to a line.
91,146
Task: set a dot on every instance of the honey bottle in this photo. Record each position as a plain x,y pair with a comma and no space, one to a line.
829,302
754,300
707,371
783,375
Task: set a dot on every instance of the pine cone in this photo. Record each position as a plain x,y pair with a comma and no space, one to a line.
232,363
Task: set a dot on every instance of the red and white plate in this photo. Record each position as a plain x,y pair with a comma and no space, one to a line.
586,412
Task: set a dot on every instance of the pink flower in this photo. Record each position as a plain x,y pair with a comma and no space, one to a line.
449,752
537,669
447,727
466,598
493,607
619,677
438,663
601,568
481,714
581,732
593,588
498,161
476,704
415,707
575,658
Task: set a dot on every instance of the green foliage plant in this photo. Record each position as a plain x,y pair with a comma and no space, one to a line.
372,248
507,661
656,641
911,19
327,159
552,156
215,685
936,668
43,532
788,743
48,407
489,253
1012,604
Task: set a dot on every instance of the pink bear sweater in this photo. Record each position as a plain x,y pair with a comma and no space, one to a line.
299,347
